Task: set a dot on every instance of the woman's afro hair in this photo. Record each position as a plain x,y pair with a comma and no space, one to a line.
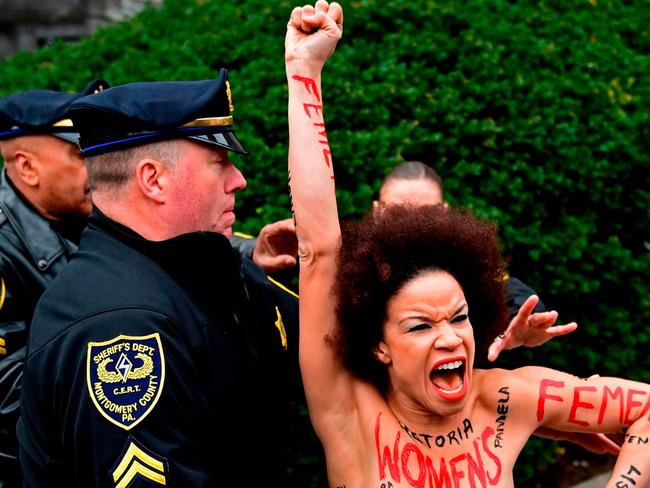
394,244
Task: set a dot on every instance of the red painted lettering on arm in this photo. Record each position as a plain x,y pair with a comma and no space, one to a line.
631,403
315,111
323,133
646,408
316,108
543,385
310,85
618,392
328,156
578,404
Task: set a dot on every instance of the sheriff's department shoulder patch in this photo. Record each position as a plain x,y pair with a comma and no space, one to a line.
125,377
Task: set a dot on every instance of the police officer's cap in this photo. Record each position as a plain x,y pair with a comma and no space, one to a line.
42,112
134,114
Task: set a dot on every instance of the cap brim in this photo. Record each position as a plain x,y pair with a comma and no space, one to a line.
72,137
225,140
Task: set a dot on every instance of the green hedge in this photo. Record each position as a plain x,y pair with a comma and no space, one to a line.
536,113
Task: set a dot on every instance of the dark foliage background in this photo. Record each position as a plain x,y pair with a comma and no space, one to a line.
534,112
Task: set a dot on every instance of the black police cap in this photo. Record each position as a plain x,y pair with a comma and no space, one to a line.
134,114
42,112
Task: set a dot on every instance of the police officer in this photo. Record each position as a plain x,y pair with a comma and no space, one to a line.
44,200
155,358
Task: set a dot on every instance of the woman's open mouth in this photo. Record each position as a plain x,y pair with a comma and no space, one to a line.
448,378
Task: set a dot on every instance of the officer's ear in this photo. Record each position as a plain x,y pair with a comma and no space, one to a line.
152,178
26,165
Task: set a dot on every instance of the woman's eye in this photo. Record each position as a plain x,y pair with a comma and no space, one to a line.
459,319
418,327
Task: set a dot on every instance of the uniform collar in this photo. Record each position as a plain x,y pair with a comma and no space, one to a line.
202,262
43,244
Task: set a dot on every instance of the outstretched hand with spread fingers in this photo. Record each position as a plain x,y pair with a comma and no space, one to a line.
529,329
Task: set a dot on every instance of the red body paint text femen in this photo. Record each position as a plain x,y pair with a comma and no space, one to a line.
314,112
632,404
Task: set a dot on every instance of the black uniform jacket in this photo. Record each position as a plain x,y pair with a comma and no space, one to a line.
517,292
31,255
156,363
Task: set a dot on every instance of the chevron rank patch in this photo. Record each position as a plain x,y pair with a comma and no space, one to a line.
136,461
125,377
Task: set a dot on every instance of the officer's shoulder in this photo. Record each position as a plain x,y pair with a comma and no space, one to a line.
256,275
73,330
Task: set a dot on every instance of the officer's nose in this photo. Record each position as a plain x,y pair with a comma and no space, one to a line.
236,180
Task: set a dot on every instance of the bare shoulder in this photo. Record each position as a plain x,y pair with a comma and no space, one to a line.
522,375
487,379
520,385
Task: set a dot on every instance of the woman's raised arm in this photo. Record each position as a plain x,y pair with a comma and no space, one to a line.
312,35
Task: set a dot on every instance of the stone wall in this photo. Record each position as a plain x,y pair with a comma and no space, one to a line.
30,24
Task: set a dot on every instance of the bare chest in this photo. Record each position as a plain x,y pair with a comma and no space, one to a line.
475,447
470,453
